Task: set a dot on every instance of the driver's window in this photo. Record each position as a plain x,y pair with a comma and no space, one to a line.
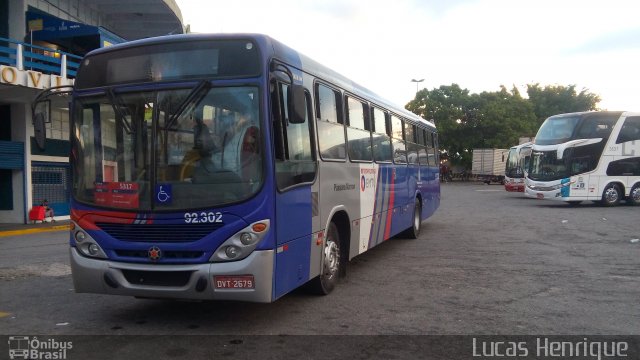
296,164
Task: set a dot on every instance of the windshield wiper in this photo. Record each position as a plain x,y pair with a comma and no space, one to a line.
192,100
117,105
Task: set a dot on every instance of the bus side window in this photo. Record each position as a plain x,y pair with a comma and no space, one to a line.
358,133
630,130
331,141
381,139
399,147
410,133
423,156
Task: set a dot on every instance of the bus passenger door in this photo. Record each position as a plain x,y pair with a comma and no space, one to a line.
295,174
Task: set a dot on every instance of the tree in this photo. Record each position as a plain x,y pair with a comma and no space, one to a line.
558,99
466,121
493,119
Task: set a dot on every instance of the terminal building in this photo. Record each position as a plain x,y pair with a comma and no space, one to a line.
41,44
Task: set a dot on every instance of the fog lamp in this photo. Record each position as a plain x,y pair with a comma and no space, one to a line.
93,249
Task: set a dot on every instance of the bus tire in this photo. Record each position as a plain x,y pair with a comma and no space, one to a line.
324,283
611,195
414,231
634,195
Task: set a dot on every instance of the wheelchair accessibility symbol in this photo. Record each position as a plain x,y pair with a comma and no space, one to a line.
163,194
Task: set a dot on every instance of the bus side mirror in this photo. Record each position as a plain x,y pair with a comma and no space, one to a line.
297,105
41,116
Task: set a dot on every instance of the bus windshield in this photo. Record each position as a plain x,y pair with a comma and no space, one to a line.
167,149
512,168
556,130
560,129
545,166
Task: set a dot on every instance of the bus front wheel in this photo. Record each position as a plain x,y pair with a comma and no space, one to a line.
634,195
611,195
331,262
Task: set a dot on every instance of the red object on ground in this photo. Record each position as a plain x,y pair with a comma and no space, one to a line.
36,213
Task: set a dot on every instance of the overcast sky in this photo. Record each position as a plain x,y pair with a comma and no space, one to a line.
478,44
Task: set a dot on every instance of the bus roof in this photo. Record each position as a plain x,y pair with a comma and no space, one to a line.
273,49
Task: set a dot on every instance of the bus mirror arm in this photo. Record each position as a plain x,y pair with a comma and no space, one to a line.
41,112
297,105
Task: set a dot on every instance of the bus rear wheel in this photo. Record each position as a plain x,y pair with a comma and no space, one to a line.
611,195
331,262
634,195
414,231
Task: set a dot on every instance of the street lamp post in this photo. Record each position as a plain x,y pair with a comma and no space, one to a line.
417,82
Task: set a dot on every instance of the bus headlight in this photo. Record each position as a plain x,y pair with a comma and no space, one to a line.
80,236
232,251
242,243
86,245
246,239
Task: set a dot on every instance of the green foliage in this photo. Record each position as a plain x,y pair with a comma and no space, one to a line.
468,121
553,100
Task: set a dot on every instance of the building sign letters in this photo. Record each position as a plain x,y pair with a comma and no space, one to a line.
33,79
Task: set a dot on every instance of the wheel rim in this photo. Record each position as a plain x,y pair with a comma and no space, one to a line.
611,194
331,259
416,219
635,194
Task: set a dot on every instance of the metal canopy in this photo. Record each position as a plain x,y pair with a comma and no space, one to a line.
137,19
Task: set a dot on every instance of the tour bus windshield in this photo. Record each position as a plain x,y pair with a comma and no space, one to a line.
556,130
545,166
167,149
560,129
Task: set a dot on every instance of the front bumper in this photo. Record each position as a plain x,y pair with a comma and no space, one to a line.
514,186
109,277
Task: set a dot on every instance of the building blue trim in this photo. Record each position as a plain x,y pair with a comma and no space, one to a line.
49,64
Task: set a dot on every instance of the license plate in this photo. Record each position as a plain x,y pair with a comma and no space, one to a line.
234,282
540,196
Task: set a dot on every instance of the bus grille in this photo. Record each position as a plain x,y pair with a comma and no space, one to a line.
168,254
157,278
158,232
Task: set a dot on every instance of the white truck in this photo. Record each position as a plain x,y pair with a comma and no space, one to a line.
488,165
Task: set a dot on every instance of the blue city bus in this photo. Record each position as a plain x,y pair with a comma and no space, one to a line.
231,167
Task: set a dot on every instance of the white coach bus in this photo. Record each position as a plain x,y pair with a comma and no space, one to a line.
587,156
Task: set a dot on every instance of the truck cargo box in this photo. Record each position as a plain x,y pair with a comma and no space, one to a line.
488,164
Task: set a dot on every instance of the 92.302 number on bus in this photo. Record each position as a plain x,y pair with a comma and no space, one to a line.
203,217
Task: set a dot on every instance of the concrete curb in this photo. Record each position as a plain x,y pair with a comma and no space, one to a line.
34,230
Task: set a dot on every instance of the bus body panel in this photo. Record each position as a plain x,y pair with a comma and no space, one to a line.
294,252
292,267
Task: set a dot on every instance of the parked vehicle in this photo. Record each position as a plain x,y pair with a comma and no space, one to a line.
587,156
231,167
517,163
488,165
